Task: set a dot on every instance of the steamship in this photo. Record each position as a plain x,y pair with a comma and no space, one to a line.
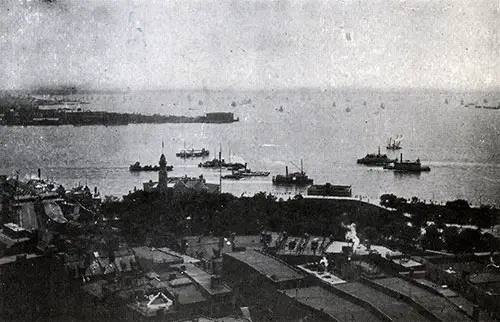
407,166
378,159
295,178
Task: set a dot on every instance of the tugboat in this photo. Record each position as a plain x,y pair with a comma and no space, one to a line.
295,178
215,163
192,153
330,190
376,159
407,166
395,144
136,167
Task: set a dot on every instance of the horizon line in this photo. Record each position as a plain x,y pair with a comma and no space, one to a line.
84,89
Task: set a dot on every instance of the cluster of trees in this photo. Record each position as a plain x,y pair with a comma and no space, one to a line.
444,233
145,216
453,212
454,240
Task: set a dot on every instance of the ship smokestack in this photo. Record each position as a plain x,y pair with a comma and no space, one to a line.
286,170
39,173
301,166
379,150
401,157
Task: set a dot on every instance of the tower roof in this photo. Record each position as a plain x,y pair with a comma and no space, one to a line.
163,159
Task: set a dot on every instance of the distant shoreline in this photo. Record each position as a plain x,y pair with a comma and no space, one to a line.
52,117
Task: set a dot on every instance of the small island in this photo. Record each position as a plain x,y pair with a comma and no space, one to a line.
18,111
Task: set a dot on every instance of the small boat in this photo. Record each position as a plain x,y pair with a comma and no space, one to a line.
446,101
192,153
295,178
136,167
407,166
378,159
395,144
382,106
249,173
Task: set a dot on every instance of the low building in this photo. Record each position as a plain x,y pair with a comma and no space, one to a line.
260,268
14,240
156,260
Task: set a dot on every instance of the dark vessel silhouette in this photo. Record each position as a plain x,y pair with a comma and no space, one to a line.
407,166
295,178
136,167
395,144
192,153
249,173
376,159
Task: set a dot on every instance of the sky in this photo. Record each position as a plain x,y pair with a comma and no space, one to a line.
249,44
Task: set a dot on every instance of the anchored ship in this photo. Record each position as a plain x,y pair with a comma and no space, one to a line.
376,159
395,144
295,178
136,167
407,166
192,153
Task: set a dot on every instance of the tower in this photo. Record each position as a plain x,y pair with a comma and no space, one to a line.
162,174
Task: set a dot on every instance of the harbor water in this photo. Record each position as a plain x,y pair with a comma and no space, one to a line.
328,129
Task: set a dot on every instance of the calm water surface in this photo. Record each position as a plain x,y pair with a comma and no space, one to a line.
459,143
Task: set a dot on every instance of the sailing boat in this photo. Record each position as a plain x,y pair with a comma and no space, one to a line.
395,144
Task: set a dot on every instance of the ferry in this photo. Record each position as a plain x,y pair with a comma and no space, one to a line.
407,166
330,190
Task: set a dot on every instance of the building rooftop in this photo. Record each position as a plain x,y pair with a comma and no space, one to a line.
332,304
156,256
480,278
434,303
336,247
266,265
10,259
10,241
14,227
397,310
303,245
203,279
203,246
185,258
